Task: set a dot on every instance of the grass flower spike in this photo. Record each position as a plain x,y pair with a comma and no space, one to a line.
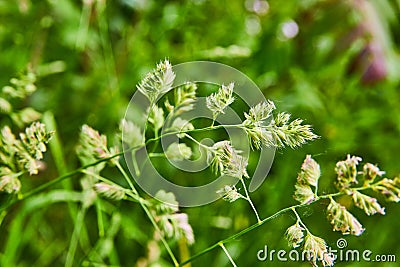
157,82
259,113
304,194
295,235
347,171
178,152
173,224
156,118
9,183
92,145
254,124
217,102
184,99
226,160
109,191
230,193
181,125
176,226
27,151
21,87
389,188
369,204
307,177
370,172
279,132
310,172
131,133
316,250
23,155
35,138
293,134
342,220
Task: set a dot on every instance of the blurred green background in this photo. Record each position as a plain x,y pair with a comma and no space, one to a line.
334,63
